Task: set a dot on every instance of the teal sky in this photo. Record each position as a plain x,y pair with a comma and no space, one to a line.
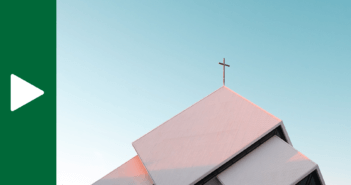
126,67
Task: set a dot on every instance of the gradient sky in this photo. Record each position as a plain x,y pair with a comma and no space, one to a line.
125,67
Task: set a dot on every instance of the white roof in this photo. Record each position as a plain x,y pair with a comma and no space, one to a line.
192,144
130,173
273,163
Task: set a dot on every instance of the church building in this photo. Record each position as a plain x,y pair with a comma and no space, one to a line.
223,139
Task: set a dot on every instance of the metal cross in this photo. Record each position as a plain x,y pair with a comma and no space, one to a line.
224,69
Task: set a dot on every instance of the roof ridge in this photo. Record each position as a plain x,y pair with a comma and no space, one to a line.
177,115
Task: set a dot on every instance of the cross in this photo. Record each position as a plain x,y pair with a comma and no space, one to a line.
224,69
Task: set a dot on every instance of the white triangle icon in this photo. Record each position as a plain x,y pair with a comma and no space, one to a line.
22,92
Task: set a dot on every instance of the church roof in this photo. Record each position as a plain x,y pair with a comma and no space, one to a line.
274,162
132,172
192,144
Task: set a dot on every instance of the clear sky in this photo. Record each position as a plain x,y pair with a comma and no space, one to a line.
125,67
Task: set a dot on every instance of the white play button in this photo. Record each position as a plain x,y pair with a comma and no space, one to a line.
22,92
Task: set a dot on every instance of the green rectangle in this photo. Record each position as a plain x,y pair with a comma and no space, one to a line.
28,50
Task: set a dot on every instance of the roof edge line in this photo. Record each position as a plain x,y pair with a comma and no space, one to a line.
253,104
285,132
320,175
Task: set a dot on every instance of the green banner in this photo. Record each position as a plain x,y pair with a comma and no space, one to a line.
28,92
